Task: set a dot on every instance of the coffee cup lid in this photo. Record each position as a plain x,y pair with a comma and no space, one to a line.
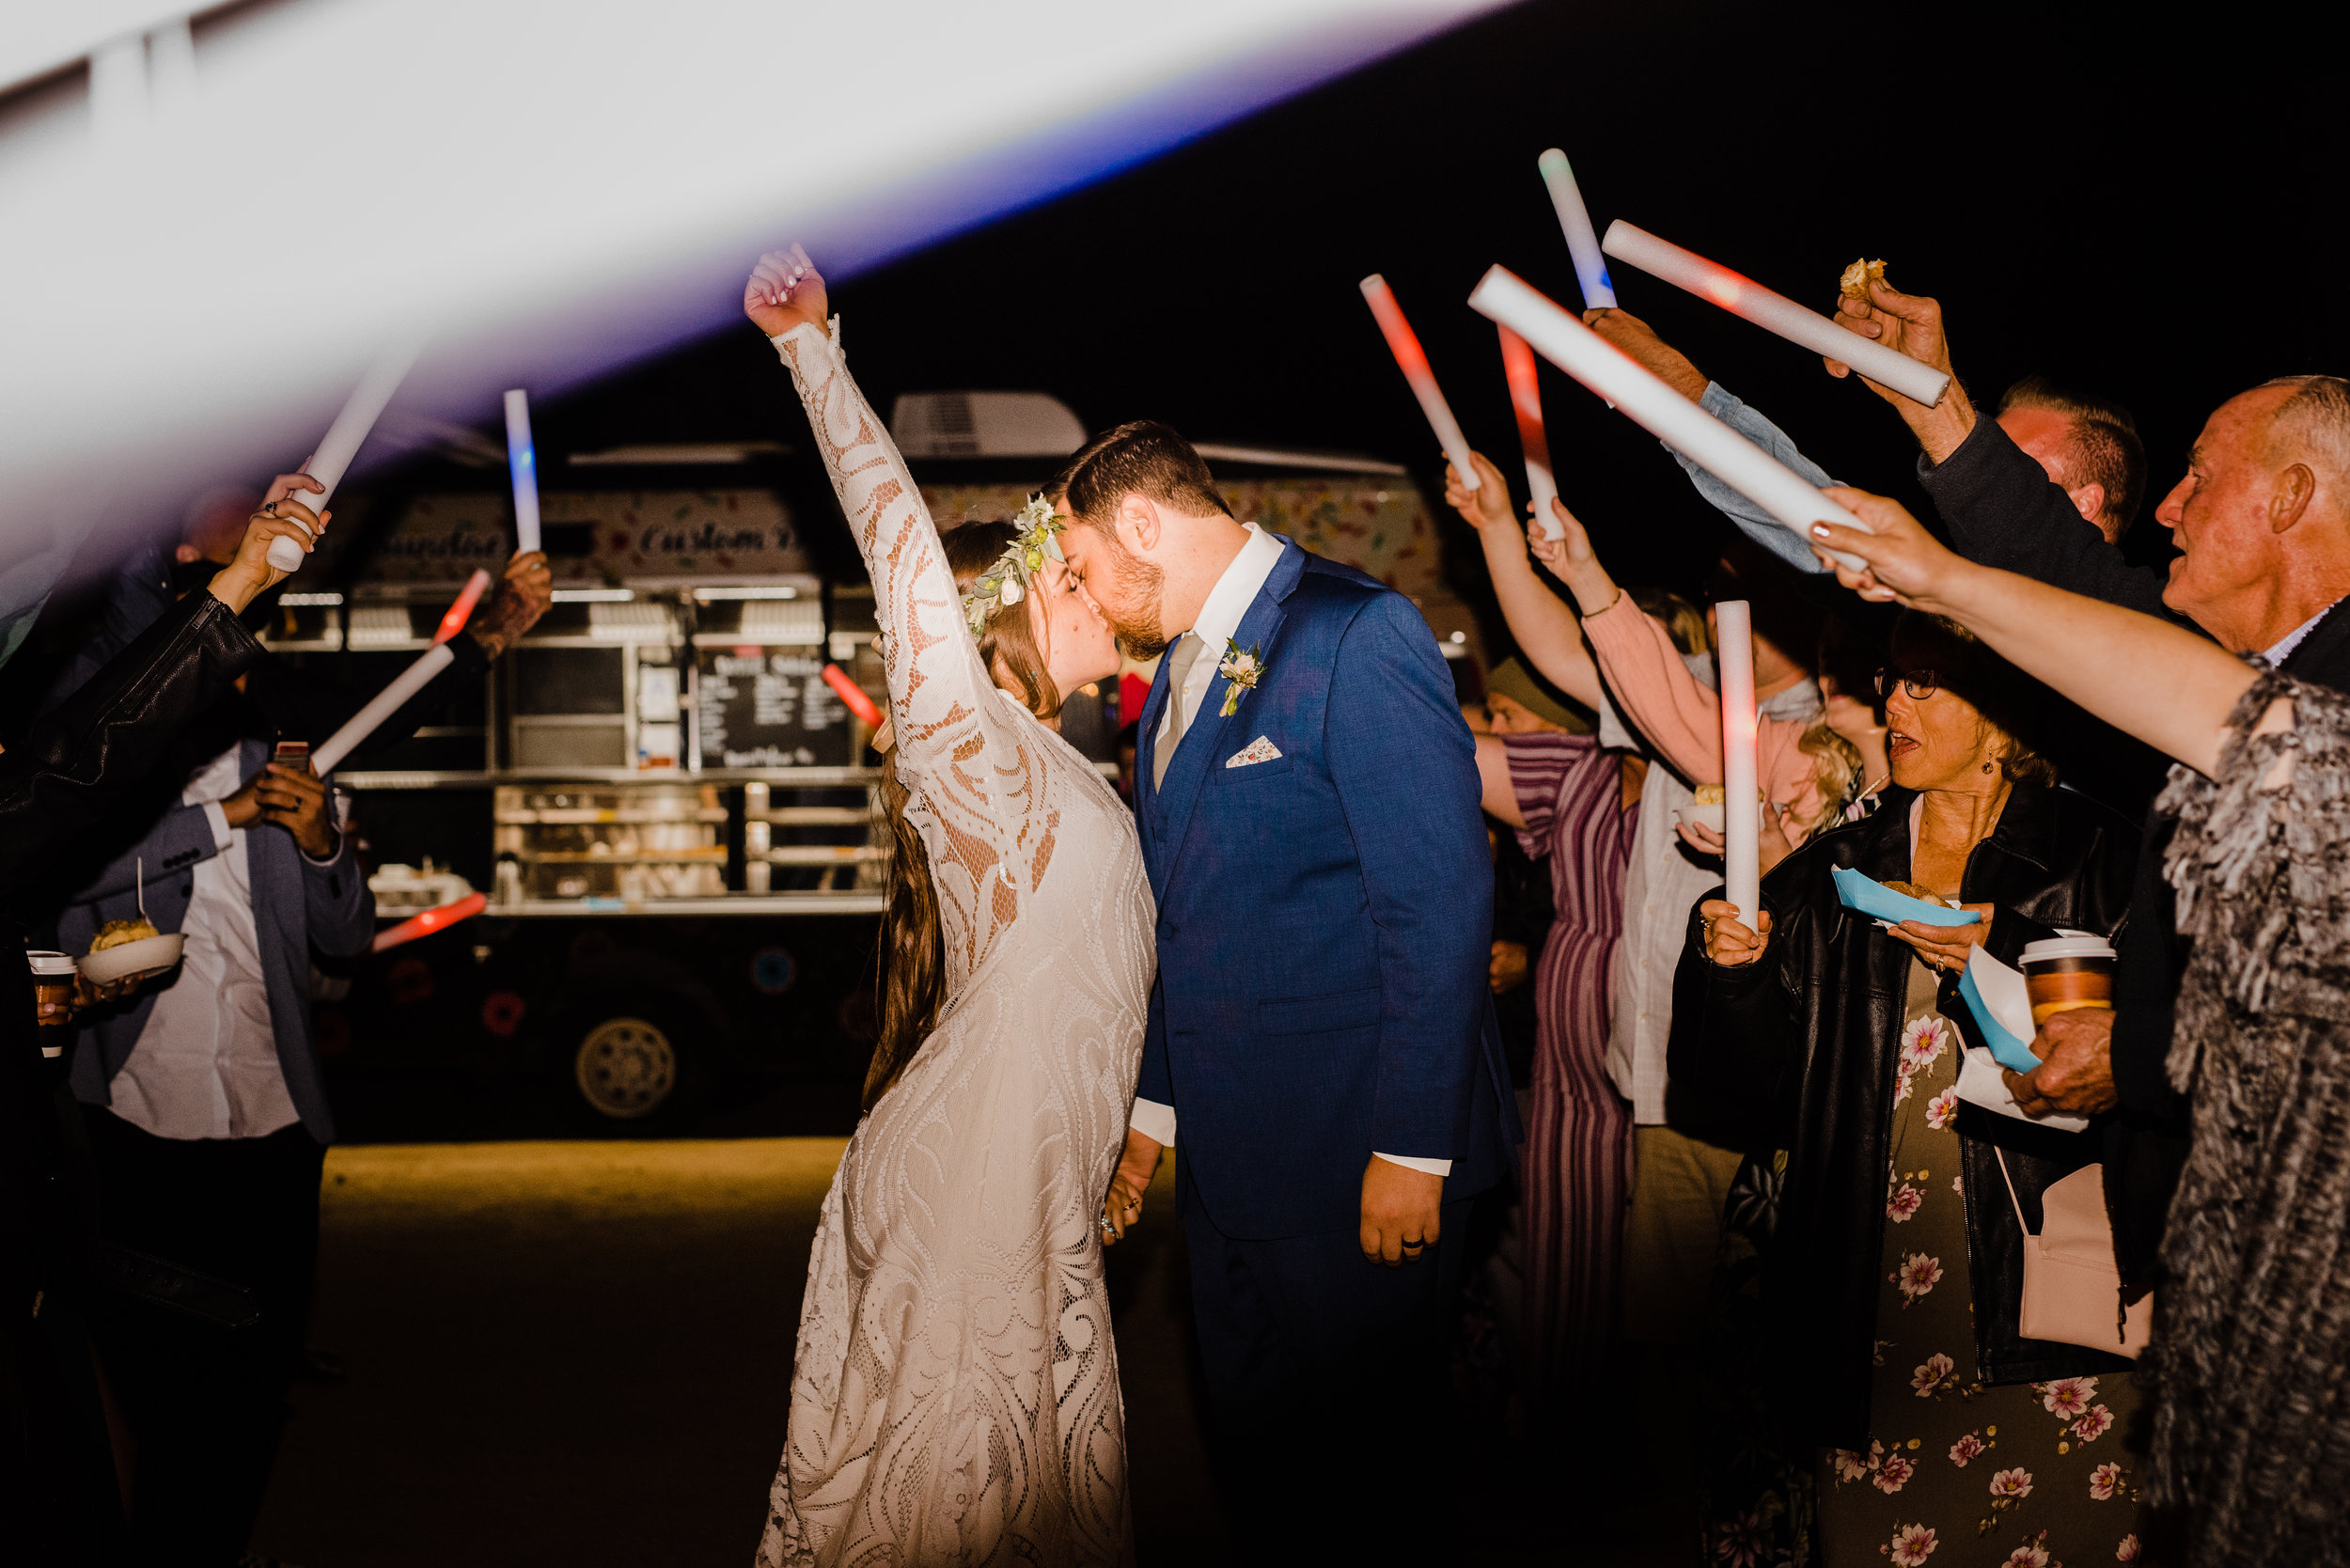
48,962
2067,947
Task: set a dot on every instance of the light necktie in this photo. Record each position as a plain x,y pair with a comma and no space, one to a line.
1187,649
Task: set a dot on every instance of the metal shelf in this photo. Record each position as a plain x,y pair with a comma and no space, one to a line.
781,779
731,903
597,814
708,854
811,815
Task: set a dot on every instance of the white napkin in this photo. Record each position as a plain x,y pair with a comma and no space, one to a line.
1979,1080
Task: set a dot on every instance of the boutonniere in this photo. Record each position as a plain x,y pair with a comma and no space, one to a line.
1241,669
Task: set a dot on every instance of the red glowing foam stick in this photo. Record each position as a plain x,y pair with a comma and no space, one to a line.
431,922
853,695
461,611
1526,398
1413,362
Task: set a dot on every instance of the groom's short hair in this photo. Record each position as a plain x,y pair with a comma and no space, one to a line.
1139,458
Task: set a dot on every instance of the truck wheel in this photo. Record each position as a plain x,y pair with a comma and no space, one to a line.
627,1069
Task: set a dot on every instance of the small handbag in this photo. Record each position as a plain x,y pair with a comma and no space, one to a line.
2072,1286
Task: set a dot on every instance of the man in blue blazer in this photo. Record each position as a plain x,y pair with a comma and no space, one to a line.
1321,1031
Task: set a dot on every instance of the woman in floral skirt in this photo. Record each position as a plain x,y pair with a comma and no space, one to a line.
1893,1281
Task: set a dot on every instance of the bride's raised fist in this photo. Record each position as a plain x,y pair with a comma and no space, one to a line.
784,290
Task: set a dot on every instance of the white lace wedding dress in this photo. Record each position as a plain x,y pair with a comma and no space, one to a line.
954,1397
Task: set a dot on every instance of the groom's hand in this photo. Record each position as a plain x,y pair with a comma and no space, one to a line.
1401,1208
1123,1205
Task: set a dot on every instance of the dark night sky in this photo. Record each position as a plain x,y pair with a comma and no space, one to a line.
2135,203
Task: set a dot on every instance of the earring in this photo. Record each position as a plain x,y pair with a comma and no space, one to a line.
1989,766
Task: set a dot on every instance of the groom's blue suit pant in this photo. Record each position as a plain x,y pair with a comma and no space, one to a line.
1325,1373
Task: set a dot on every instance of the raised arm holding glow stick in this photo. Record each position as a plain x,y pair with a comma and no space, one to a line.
1526,400
1590,267
345,437
1566,342
1413,362
1742,858
382,706
1741,296
410,681
461,611
521,460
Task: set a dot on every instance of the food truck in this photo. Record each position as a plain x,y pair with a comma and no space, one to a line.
670,812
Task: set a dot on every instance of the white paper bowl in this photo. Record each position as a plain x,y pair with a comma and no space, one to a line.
130,958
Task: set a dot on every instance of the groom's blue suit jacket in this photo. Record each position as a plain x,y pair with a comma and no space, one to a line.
1325,919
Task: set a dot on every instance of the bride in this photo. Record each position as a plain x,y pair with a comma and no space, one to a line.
954,1396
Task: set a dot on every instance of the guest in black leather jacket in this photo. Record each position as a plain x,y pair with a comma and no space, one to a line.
56,1489
1808,1039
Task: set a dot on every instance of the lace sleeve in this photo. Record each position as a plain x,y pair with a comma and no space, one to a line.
973,773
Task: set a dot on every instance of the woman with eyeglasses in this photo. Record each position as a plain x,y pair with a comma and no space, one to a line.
1892,1283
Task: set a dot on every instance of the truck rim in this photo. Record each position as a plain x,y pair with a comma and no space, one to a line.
626,1068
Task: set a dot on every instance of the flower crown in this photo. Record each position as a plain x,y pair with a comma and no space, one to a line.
1006,581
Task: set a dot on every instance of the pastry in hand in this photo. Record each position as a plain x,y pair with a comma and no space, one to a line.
114,933
1857,277
1910,889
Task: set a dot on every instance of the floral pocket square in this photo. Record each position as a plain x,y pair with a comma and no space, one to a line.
1258,750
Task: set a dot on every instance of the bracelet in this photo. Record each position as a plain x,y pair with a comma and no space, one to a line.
1609,606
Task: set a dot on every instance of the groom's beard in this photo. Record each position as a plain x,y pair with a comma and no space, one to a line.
1142,585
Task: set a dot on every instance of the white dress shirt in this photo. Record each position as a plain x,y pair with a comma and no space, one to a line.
206,1064
1217,622
2296,638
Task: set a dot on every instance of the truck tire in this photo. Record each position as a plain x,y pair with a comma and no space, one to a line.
633,1065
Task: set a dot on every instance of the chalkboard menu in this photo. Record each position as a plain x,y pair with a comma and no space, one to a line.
764,708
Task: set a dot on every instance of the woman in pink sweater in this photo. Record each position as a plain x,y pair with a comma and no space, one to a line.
1804,770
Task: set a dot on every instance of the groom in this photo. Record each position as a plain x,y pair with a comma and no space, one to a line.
1321,1031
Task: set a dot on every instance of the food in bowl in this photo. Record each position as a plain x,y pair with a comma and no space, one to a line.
114,933
123,949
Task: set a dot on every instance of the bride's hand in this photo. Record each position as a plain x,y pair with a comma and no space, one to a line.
1122,1206
784,291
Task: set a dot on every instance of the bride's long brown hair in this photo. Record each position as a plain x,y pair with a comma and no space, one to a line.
911,956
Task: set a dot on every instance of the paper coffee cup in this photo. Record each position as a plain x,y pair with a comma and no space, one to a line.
53,996
2064,973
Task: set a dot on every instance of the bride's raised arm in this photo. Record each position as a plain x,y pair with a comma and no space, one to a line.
973,778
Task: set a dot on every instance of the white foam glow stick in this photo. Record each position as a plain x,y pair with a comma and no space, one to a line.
461,611
1742,862
1743,296
1747,468
344,437
1590,267
522,459
1413,362
1526,400
382,706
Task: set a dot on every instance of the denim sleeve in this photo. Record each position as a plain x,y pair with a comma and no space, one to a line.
1751,519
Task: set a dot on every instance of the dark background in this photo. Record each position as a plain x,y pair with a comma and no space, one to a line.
2142,203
